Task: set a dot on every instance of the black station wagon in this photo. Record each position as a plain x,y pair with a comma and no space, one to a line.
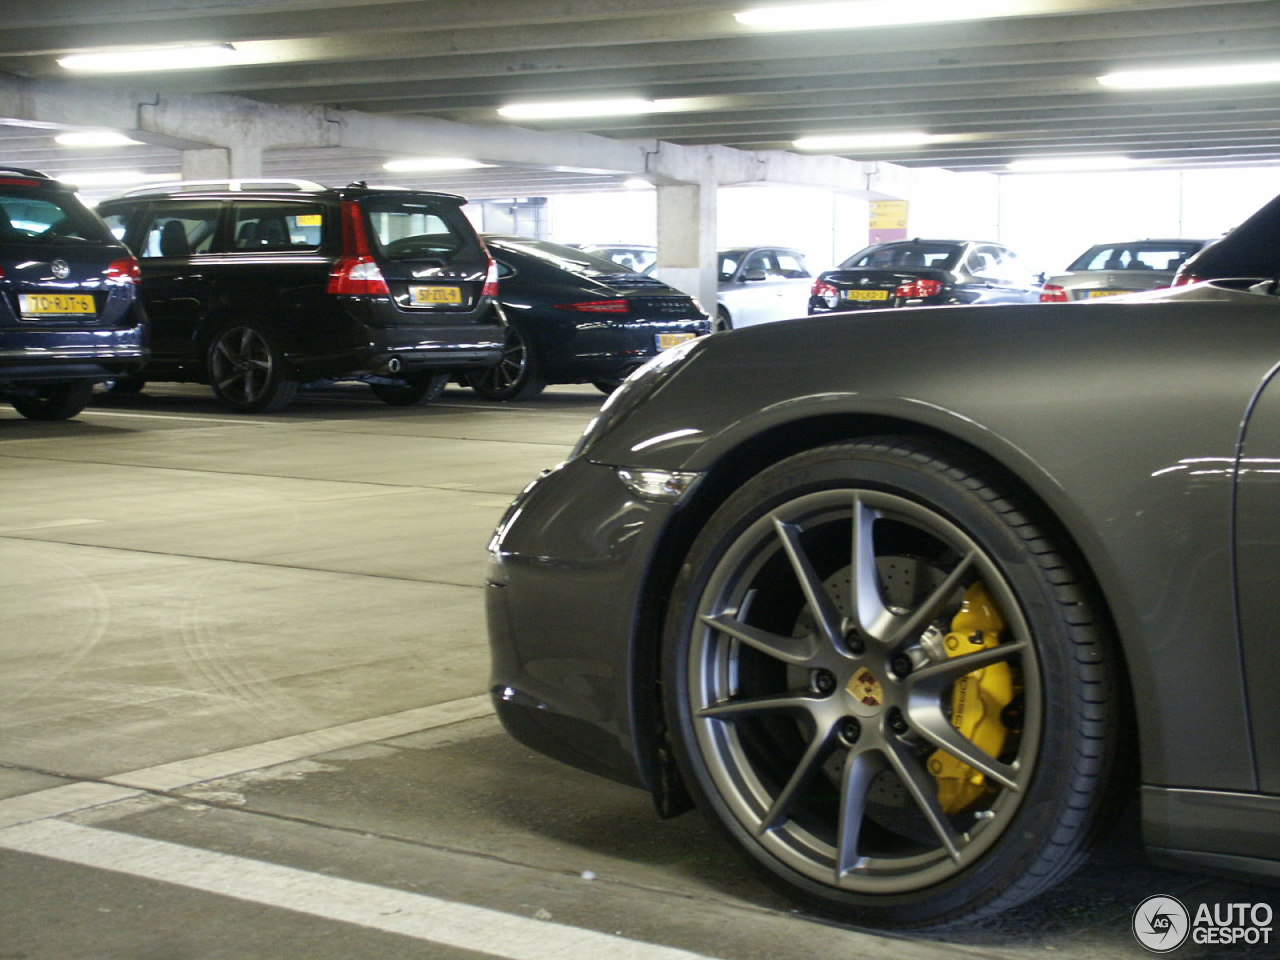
258,287
70,315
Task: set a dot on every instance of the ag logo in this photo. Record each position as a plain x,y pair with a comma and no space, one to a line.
1161,924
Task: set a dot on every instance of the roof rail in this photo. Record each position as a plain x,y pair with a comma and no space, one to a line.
26,172
196,186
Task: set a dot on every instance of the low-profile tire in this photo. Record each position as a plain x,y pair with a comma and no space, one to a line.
517,376
247,371
813,663
55,401
722,321
126,386
420,389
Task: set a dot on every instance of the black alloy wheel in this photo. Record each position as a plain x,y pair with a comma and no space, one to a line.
247,371
517,376
419,389
887,687
55,401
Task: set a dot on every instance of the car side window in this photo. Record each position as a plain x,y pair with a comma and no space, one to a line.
728,266
264,226
179,230
117,223
757,261
790,266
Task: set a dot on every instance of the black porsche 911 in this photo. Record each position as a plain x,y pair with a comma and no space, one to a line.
925,273
912,610
575,317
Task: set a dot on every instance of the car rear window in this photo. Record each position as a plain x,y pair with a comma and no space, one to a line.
47,217
409,230
940,256
1136,256
565,258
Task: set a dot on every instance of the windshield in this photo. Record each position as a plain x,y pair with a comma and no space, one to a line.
409,230
938,256
47,217
564,258
1150,255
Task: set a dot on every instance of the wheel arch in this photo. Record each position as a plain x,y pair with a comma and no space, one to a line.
728,472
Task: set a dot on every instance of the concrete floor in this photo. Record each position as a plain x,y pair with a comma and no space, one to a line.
242,667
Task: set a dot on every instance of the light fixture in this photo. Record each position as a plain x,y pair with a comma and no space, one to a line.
864,141
428,164
559,109
1071,164
1219,76
94,138
877,13
152,58
116,178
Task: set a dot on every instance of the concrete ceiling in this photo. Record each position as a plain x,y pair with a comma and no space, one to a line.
1001,89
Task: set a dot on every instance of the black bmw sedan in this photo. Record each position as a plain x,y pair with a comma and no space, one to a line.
915,273
912,631
574,317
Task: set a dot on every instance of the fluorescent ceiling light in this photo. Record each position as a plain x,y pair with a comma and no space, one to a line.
1072,164
1221,76
115,178
153,58
877,13
863,141
426,164
579,108
94,138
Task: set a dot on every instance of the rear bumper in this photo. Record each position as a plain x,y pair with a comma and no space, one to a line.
405,350
48,356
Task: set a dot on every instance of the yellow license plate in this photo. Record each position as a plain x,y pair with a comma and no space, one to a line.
1107,293
429,295
867,295
668,340
56,304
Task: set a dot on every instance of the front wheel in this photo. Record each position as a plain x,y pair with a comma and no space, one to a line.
56,401
517,376
886,685
247,371
423,388
722,321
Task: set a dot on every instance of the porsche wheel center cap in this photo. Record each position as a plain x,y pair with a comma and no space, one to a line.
866,691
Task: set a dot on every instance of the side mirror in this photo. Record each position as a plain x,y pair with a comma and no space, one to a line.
755,275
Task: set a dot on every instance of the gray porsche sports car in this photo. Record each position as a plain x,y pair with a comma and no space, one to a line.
911,609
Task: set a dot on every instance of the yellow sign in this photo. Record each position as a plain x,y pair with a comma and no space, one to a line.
888,214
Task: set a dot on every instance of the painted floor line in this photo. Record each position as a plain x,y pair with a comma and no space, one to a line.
175,416
421,917
184,773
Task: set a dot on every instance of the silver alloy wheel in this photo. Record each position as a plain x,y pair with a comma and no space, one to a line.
822,596
241,366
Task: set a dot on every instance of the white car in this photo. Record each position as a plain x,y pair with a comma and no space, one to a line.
760,285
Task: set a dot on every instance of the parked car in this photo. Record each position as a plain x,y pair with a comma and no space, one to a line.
70,315
915,273
573,317
1252,249
636,257
257,287
912,612
760,285
1108,269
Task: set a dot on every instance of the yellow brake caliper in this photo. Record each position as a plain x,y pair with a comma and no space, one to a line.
978,700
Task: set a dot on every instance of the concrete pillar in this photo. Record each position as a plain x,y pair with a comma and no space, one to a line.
239,162
687,239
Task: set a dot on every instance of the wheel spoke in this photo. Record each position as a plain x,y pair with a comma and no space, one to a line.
924,791
738,709
860,768
934,678
934,726
908,629
821,606
871,616
819,749
794,650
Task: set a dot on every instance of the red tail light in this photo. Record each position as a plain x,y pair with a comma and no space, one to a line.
20,182
597,306
356,272
1182,279
1053,293
491,280
124,271
918,289
821,288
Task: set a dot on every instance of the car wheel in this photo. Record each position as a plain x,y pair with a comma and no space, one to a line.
607,386
55,401
722,321
419,389
247,371
517,376
886,684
